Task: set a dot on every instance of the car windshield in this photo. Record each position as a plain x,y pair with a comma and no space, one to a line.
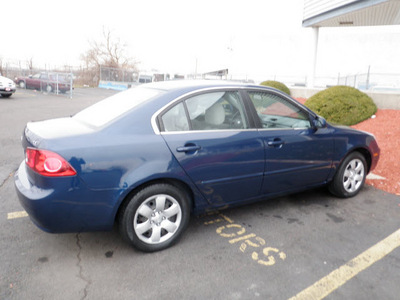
111,108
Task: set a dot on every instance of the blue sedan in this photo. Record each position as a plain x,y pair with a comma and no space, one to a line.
149,157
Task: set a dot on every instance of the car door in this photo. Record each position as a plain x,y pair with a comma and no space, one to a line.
31,81
211,137
43,81
297,155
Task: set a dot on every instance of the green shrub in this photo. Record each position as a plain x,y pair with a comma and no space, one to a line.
277,85
342,105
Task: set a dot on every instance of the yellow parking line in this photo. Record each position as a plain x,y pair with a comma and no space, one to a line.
16,214
340,276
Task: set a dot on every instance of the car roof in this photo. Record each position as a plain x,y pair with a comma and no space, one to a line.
195,84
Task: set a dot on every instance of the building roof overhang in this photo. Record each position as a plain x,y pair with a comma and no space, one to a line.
338,13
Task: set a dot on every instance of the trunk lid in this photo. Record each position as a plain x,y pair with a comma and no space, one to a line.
37,134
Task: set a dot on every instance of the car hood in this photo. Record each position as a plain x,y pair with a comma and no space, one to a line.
350,129
6,81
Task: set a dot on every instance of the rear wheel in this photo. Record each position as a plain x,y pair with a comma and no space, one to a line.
350,177
22,84
155,217
49,88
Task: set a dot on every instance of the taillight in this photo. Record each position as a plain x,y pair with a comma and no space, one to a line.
48,163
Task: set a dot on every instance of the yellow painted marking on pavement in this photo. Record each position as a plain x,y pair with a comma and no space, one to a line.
236,233
227,219
271,259
340,276
220,229
17,214
251,235
213,222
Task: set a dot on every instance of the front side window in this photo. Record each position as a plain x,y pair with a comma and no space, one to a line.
277,112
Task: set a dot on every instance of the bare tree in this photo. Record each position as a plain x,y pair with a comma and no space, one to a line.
29,64
108,52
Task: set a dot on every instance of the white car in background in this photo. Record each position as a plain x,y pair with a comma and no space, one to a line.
7,87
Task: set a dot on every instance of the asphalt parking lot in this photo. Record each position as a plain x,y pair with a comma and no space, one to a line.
304,246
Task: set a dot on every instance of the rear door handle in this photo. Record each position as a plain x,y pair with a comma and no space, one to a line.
192,148
277,143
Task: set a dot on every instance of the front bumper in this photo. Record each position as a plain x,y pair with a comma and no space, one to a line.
7,90
375,153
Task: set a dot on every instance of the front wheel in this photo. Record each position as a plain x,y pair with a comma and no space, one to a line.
350,177
155,217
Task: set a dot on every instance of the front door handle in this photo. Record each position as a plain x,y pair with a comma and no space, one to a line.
192,148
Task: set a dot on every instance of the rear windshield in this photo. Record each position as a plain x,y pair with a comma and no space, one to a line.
111,108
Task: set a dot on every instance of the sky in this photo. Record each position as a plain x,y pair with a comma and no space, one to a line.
251,38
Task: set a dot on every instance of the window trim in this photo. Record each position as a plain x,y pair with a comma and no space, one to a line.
251,113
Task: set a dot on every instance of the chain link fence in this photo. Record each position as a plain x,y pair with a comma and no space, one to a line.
60,83
122,79
373,82
117,78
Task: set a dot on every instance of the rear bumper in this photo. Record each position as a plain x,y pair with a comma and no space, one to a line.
66,207
34,200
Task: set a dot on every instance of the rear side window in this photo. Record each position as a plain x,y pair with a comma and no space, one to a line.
209,111
175,119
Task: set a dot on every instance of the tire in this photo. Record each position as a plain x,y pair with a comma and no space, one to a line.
22,84
350,177
6,95
155,217
49,89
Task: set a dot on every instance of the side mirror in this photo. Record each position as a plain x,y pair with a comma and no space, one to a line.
319,122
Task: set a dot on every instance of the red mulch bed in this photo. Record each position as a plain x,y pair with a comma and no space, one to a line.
386,129
301,100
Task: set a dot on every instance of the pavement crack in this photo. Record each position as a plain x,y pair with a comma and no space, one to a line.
7,178
87,281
